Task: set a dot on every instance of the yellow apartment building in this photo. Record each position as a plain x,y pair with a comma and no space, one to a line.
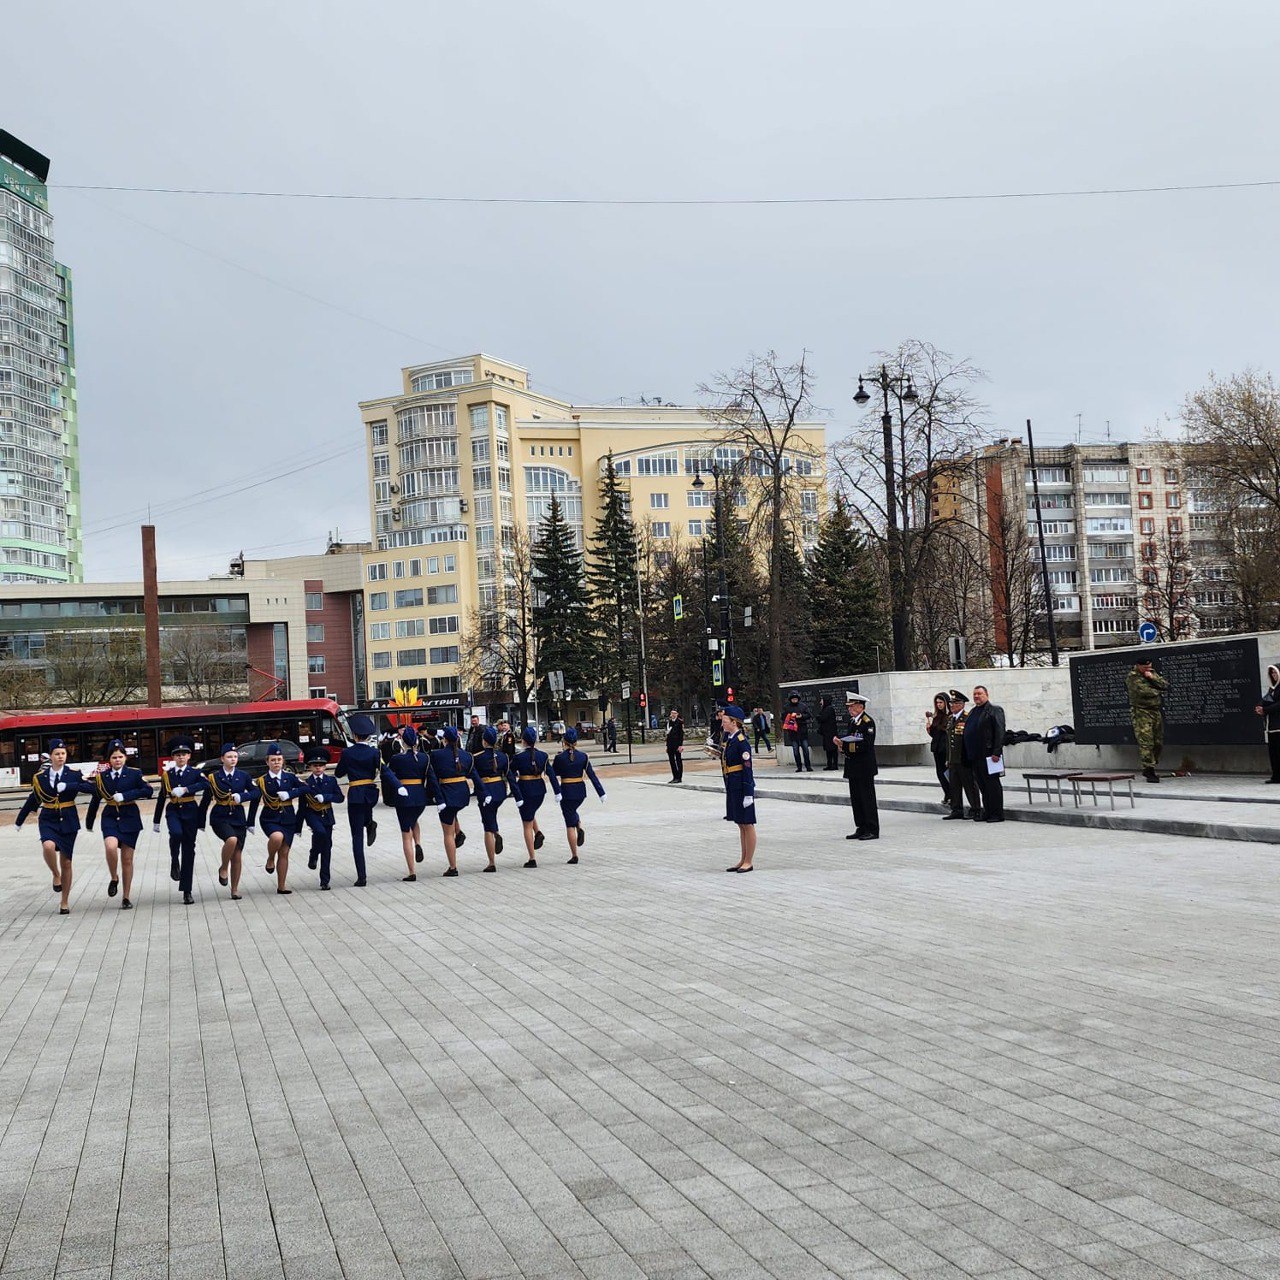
465,451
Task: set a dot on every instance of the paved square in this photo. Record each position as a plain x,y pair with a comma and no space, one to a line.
964,1050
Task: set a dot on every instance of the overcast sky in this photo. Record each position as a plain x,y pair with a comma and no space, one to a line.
220,340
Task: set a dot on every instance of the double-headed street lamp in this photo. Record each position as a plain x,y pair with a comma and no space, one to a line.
905,391
726,615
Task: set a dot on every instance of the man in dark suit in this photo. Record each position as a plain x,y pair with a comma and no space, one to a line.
984,745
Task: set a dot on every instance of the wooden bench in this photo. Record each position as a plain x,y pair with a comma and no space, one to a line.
1080,780
1029,777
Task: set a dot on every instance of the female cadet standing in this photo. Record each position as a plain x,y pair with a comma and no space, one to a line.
530,769
276,791
118,789
179,786
229,788
405,778
318,799
450,766
571,766
490,771
739,785
53,792
360,763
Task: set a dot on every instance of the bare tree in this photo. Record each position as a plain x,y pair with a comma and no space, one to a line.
762,406
1168,576
1017,588
21,684
96,668
934,427
1232,429
205,664
951,596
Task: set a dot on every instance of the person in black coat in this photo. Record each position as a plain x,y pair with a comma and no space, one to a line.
860,769
475,737
675,746
795,729
936,722
828,732
984,745
1269,708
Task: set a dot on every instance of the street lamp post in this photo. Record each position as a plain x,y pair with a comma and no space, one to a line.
906,392
726,613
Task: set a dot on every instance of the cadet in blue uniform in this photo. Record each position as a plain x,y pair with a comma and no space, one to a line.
360,763
53,792
739,784
117,788
450,768
405,777
318,799
180,785
491,772
530,768
571,767
275,792
223,806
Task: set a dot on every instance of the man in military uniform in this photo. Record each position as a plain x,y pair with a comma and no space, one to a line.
1146,692
860,769
961,781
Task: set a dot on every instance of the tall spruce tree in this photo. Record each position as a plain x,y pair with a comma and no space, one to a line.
846,599
611,581
561,617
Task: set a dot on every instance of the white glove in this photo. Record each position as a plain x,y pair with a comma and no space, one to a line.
402,791
602,799
62,786
748,801
118,797
488,799
235,797
155,827
441,807
284,795
179,791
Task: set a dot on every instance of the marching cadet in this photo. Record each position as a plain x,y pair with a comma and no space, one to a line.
361,763
275,792
531,771
405,778
739,785
450,768
318,799
223,805
490,771
53,792
860,769
571,767
118,789
180,785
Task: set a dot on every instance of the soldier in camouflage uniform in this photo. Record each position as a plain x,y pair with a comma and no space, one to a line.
1146,694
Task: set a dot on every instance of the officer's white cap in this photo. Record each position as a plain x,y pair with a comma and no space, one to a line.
854,697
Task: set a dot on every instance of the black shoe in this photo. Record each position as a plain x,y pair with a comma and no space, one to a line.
976,817
951,817
869,835
417,852
313,862
582,837
406,878
452,871
742,871
497,843
808,768
999,819
235,897
533,862
284,890
222,880
187,900
324,888
360,884
113,888
64,911
175,872
460,839
370,831
572,860
538,839
490,867
857,835
731,870
1151,775
125,904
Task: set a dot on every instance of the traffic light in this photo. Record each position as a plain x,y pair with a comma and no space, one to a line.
644,698
729,693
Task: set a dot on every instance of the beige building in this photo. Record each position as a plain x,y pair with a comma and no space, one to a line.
465,452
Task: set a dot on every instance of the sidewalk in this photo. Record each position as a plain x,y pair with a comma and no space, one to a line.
1211,806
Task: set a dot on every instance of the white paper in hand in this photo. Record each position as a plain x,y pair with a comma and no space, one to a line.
995,766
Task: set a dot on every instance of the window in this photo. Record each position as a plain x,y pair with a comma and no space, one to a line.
397,569
482,477
1058,527
315,633
1151,576
504,478
1066,604
1170,475
445,625
1109,575
1148,550
444,655
1048,475
662,529
1115,602
1112,626
381,464
1062,577
700,497
1106,475
480,418
1147,525
433,564
659,501
480,450
1107,498
1108,524
809,502
695,528
1144,475
318,691
442,595
444,684
438,378
503,449
377,600
377,573
381,659
451,564
378,432
382,491
407,628
379,631
1175,524
1048,501
1144,501
315,601
415,568
315,664
409,598
382,688
1064,552
411,657
1173,500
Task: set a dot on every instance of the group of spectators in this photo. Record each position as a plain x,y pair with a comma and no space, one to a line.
967,745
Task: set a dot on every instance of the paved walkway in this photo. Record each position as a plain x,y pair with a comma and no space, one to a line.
948,1053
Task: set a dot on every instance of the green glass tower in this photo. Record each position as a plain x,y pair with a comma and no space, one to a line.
40,523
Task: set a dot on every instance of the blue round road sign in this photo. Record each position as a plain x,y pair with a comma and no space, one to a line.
1147,632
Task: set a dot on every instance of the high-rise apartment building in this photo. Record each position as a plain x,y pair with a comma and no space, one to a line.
40,526
466,451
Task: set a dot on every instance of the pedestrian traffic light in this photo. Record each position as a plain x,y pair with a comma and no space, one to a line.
644,698
729,693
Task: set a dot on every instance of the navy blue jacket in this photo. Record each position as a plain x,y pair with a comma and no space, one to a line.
131,784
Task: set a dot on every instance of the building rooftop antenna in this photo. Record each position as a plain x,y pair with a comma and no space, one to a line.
1078,426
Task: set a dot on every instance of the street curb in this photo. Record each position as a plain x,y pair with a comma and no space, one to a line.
1051,817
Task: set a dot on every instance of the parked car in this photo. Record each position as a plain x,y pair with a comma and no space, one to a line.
253,758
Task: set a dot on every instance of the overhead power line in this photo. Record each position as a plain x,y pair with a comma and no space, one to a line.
672,201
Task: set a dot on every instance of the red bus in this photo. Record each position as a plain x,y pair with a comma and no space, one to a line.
145,731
